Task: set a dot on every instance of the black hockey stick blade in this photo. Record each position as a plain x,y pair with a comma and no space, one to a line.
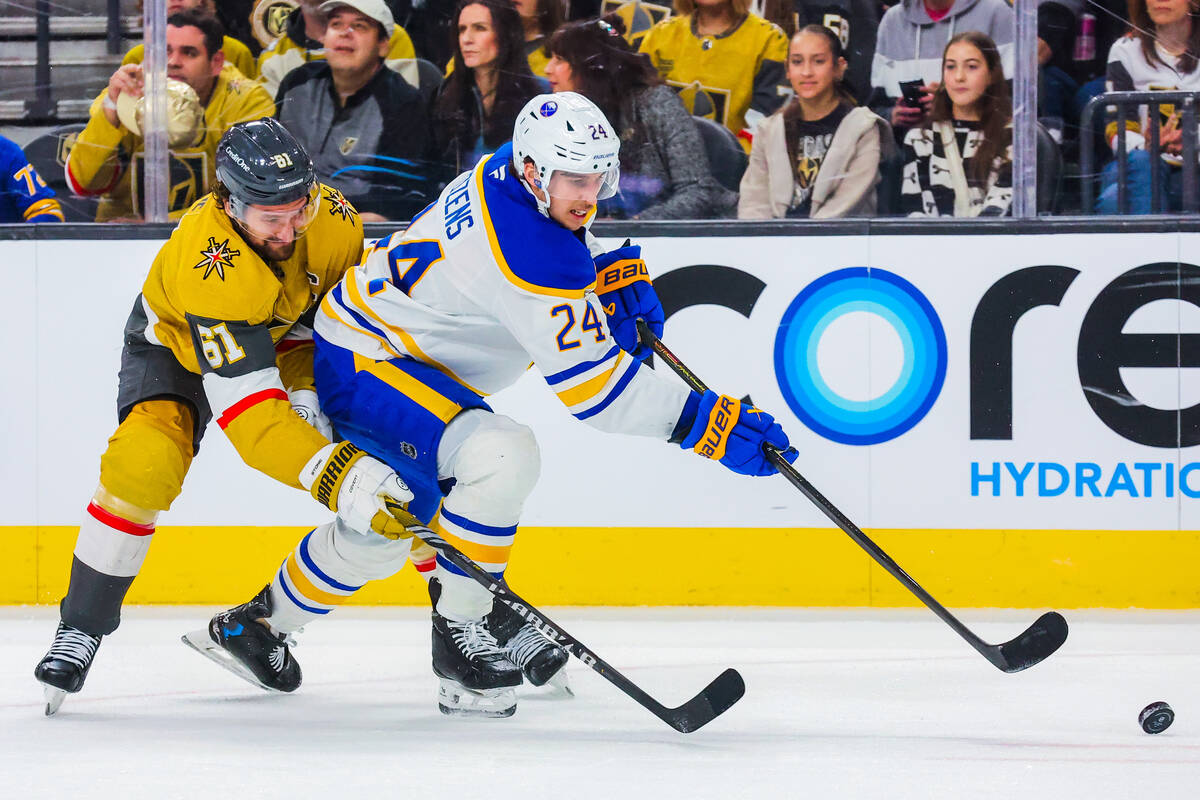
1036,644
725,690
714,700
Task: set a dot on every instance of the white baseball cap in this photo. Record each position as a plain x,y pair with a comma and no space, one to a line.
375,9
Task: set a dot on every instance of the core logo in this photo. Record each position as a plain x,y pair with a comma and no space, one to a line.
887,411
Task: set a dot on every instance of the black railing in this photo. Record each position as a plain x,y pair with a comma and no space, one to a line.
1123,102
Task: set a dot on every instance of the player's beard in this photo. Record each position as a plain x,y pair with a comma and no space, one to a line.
274,251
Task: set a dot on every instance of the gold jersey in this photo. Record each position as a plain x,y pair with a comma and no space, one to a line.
721,77
246,324
109,161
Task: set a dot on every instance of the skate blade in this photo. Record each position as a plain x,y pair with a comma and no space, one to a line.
202,644
559,687
54,698
455,700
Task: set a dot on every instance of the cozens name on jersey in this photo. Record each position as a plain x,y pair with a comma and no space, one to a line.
456,209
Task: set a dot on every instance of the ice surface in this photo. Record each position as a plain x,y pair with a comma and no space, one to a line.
839,703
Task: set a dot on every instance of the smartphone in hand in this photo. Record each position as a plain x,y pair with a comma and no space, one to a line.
912,92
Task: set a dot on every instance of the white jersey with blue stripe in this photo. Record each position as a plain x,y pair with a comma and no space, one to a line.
480,285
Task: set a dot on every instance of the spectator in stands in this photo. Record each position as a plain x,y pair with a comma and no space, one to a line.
960,163
726,63
1162,54
818,156
236,17
664,170
107,157
539,19
366,129
856,23
304,42
908,52
430,23
24,196
237,55
478,104
637,16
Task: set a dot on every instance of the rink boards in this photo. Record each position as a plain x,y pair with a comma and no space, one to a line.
1013,418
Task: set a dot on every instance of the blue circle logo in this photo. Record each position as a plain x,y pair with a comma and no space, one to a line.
548,108
922,340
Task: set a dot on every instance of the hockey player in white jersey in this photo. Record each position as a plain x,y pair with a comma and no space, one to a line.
499,272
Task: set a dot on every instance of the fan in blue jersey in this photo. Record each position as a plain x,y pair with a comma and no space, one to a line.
499,272
24,196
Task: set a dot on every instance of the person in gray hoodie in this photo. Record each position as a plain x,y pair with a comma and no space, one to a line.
908,52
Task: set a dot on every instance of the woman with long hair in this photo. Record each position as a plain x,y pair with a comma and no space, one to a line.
664,170
476,107
1162,53
819,155
725,62
960,163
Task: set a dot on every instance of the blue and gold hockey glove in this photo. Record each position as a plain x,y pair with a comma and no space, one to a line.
723,429
624,288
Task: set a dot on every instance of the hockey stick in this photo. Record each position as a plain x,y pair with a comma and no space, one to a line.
714,700
1038,641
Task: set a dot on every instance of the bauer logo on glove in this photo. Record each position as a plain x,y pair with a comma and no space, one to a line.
624,288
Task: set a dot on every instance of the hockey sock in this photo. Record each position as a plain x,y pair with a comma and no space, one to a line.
488,546
109,553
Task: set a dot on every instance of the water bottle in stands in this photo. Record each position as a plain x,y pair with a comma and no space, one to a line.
1085,42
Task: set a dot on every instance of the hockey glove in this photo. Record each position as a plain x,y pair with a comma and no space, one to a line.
347,480
723,429
624,288
304,403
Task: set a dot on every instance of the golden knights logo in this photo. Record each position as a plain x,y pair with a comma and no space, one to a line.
703,101
338,204
268,19
638,17
216,258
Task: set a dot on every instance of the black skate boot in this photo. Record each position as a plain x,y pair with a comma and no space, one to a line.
63,670
540,659
476,678
239,642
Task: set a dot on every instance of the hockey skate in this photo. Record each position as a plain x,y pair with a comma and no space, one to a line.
237,641
542,661
63,670
476,679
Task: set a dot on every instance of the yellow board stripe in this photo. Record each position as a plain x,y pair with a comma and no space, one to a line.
432,401
589,388
498,255
590,566
307,588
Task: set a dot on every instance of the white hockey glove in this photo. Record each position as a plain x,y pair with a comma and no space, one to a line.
347,480
304,403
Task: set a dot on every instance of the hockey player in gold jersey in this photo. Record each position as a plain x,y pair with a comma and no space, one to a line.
107,157
726,63
223,327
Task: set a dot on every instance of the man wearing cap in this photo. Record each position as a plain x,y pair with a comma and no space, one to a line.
303,41
107,158
366,129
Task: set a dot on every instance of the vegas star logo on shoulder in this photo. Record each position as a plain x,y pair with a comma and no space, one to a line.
216,258
338,204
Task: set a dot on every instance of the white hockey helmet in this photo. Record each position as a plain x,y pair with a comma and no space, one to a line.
572,145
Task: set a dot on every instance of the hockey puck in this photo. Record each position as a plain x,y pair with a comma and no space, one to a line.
1156,717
